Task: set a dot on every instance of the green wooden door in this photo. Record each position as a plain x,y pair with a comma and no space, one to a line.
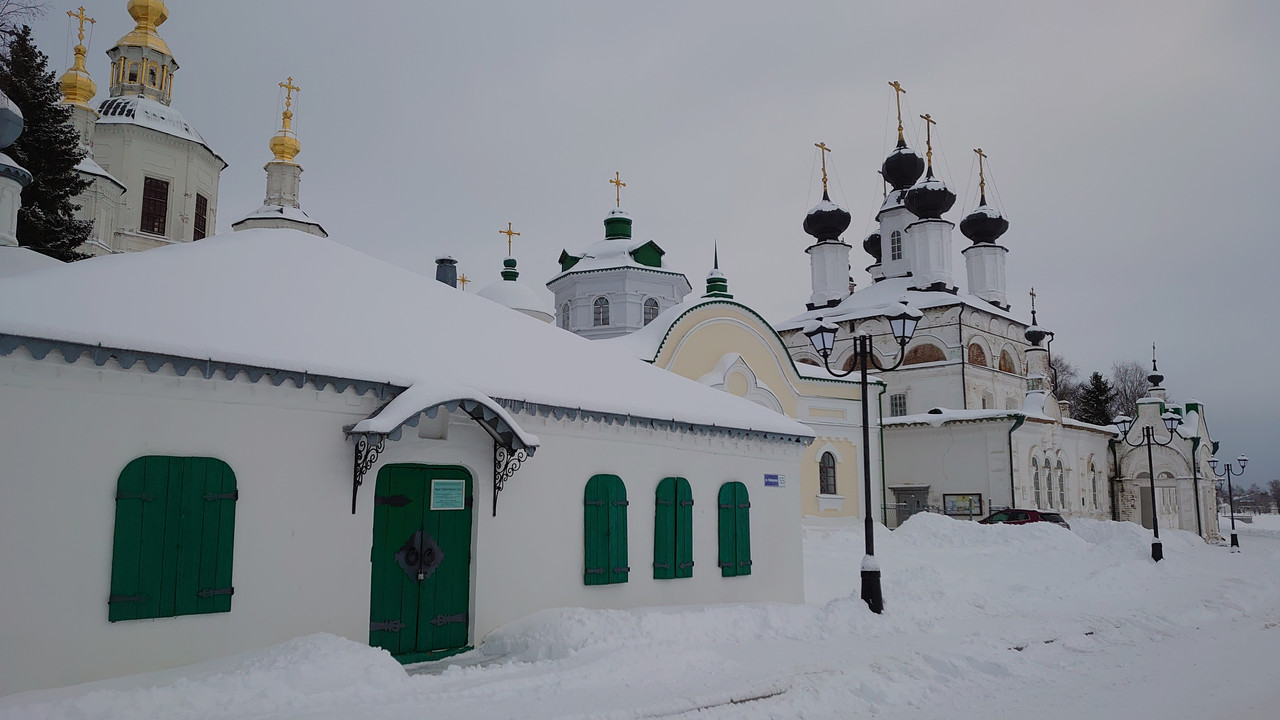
421,559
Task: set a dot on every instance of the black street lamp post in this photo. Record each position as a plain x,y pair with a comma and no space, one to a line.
1125,424
823,336
1228,471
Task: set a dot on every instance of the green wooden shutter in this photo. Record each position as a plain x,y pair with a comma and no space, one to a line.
605,531
742,527
595,539
171,554
726,502
619,570
664,530
684,529
733,510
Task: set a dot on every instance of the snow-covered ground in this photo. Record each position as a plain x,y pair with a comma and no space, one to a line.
980,622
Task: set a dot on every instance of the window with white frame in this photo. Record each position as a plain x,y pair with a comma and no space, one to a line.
564,316
895,245
600,312
1035,480
1093,482
1062,487
897,405
650,310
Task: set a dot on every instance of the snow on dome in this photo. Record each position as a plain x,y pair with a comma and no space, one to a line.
281,298
618,212
145,112
518,296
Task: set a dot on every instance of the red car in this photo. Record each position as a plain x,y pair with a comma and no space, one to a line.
1017,516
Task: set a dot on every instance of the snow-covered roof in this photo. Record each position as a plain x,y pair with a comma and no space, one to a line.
872,300
20,261
282,298
646,342
518,296
87,166
276,212
145,112
945,416
610,254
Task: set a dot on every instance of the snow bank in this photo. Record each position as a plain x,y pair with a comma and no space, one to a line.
314,670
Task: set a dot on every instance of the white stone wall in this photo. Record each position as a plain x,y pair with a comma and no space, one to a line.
955,458
131,153
301,557
1077,449
626,288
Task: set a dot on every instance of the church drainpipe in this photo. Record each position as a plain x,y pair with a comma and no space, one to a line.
884,483
1013,494
1115,481
964,358
1195,482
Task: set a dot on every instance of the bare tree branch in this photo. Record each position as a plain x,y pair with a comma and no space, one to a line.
15,13
1129,380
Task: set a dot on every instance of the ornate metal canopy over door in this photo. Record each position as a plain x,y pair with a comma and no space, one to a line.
421,561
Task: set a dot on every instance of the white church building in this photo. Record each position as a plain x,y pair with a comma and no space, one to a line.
281,459
971,423
154,178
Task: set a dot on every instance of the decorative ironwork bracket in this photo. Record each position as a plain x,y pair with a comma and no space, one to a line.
365,456
505,464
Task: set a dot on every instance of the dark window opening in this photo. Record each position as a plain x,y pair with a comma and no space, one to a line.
201,230
155,205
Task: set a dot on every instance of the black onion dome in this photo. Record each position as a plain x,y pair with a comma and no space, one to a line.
827,220
1155,378
929,198
1035,334
902,168
872,245
984,225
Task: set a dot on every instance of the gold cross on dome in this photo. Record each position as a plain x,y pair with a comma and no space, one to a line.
463,280
823,147
83,19
929,122
618,185
289,90
982,181
510,234
898,92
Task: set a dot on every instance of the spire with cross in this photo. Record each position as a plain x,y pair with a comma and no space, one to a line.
898,92
289,90
929,122
510,234
982,178
83,19
823,147
617,187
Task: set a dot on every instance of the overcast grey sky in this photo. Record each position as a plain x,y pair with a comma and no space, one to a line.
1132,147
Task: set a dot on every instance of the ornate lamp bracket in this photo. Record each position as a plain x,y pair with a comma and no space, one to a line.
506,461
365,456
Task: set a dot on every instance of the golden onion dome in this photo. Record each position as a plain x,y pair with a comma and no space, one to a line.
284,144
149,15
77,87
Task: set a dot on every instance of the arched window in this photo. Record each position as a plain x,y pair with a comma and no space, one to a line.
1093,481
977,356
563,320
601,314
808,361
1035,480
895,245
1006,362
605,531
650,310
924,354
827,474
1048,482
151,77
734,530
1062,487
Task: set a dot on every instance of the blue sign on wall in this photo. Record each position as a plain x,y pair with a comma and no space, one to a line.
775,480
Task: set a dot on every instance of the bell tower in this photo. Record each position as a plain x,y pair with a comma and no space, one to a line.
141,63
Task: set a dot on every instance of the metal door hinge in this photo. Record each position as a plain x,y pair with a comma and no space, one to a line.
389,626
223,496
398,501
126,598
442,620
219,591
144,497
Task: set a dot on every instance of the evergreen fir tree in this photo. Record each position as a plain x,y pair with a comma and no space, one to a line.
49,148
1094,401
